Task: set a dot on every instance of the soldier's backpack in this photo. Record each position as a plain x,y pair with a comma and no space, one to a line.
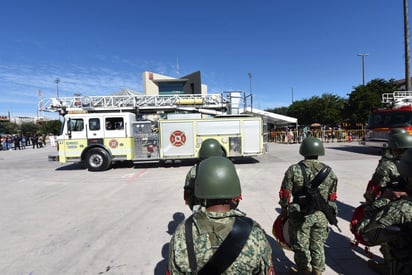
310,200
357,217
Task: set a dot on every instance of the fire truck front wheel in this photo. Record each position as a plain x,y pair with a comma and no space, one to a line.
97,159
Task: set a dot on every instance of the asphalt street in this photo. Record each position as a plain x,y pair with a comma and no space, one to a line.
62,219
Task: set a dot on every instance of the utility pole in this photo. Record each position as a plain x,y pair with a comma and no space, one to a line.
292,93
363,66
406,37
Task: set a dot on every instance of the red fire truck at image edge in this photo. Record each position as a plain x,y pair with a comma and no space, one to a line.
100,131
396,113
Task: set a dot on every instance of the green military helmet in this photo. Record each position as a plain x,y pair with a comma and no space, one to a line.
405,164
400,141
210,147
397,131
217,178
311,146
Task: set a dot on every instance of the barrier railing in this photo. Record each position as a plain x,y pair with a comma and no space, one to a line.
296,136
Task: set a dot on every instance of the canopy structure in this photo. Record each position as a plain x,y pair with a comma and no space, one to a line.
271,117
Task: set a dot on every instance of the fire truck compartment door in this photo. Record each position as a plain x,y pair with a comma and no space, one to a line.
252,142
177,139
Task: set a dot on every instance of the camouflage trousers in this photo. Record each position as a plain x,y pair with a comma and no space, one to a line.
308,235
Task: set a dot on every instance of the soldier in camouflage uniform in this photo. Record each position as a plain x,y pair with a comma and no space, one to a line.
387,172
307,231
210,147
218,188
392,224
382,188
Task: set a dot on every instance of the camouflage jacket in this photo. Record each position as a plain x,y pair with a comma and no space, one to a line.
293,183
398,212
385,172
209,231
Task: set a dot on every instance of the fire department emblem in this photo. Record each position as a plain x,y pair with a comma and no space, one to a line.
177,138
113,143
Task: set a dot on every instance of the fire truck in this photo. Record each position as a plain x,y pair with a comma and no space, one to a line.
101,130
396,113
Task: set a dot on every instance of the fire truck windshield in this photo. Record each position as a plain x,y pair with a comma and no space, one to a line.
390,119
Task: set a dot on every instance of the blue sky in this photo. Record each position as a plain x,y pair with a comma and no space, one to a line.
97,47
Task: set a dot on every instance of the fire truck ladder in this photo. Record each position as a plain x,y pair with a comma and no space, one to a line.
212,103
397,98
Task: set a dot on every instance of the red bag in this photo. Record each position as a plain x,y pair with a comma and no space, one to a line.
280,232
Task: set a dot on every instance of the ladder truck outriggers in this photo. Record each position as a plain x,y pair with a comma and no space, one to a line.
101,130
395,113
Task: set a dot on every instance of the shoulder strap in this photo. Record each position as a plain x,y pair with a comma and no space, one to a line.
230,248
189,244
318,179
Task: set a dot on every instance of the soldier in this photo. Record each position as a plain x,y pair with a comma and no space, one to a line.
218,239
392,224
210,147
308,225
387,172
384,184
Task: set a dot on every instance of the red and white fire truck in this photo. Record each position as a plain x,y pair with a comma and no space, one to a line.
396,113
99,131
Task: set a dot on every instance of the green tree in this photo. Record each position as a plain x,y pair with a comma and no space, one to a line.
326,109
50,127
363,99
279,110
7,127
29,128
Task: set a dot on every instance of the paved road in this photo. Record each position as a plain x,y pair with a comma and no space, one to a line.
59,219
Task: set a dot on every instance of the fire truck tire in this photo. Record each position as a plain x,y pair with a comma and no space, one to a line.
98,159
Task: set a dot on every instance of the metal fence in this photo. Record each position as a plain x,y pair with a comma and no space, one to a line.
296,136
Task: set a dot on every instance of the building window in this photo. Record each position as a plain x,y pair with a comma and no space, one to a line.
171,88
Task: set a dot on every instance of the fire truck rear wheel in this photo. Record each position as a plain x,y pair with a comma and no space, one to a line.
97,160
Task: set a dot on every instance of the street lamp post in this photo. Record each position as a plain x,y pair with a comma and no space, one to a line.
57,86
363,66
250,90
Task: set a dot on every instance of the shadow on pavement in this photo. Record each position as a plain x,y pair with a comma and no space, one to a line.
161,266
345,211
72,166
281,262
358,149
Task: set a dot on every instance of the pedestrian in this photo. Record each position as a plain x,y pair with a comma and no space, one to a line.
308,224
209,147
34,141
17,140
219,239
392,224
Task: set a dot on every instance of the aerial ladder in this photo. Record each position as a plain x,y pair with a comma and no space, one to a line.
397,99
212,104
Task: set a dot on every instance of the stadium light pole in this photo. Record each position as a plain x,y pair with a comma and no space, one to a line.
57,86
363,66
